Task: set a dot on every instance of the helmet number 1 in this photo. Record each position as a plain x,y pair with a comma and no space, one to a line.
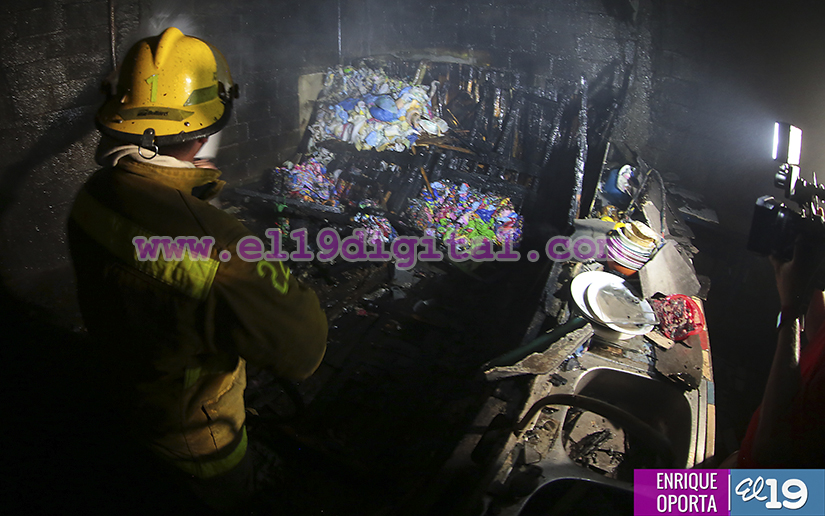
153,81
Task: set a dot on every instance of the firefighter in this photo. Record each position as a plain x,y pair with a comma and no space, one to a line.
173,334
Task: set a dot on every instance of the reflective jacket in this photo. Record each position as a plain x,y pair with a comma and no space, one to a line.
173,336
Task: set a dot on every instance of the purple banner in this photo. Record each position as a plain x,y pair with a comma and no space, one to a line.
681,491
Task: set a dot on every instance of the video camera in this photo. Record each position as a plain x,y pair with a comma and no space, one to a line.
775,226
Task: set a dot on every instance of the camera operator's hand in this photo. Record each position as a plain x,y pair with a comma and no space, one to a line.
787,283
795,279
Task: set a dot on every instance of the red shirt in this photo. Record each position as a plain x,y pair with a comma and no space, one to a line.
807,416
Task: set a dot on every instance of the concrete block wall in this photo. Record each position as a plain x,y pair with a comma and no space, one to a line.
549,42
712,114
54,55
268,46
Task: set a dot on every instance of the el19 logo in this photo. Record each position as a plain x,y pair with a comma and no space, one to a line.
757,492
750,489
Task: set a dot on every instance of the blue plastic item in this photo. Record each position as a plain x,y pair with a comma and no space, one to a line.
382,114
348,104
611,191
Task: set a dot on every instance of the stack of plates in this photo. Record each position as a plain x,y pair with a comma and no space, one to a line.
608,301
631,245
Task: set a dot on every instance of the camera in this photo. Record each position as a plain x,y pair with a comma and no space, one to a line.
776,226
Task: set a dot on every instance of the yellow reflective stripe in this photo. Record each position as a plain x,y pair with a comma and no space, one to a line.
212,468
192,277
202,95
190,376
114,232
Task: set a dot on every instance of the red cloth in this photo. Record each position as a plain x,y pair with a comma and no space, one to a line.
807,417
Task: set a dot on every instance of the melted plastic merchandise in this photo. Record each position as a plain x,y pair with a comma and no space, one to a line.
310,182
459,211
370,110
377,227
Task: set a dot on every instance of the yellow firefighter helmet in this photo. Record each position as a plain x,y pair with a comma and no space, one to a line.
171,89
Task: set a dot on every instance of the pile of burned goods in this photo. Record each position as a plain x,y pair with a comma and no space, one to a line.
456,152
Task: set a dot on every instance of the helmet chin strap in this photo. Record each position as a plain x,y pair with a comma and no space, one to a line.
147,141
154,149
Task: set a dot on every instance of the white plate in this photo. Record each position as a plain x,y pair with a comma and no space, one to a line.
578,290
611,301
